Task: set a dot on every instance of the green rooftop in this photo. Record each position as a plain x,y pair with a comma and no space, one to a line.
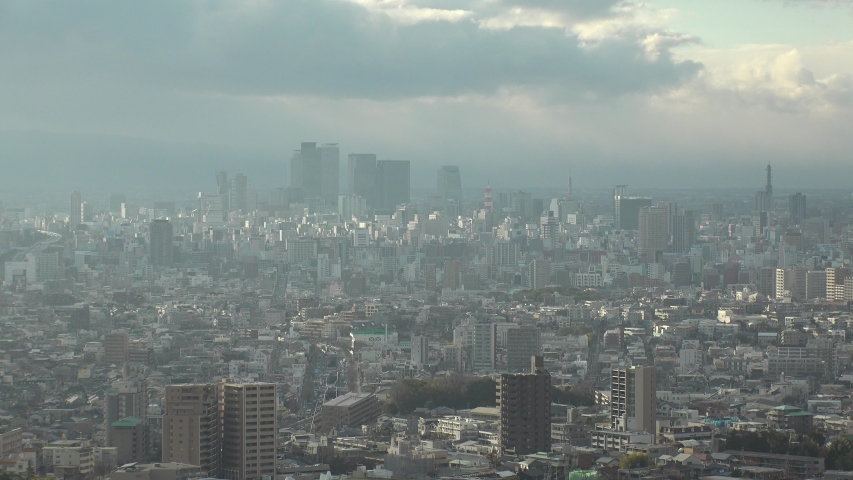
127,422
798,414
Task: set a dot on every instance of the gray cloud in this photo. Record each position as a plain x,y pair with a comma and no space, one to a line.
314,47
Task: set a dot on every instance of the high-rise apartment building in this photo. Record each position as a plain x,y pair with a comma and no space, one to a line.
393,183
522,343
239,193
633,398
797,208
420,350
248,430
362,177
654,231
125,398
191,427
835,280
75,210
539,273
130,439
450,185
484,346
524,403
161,252
116,347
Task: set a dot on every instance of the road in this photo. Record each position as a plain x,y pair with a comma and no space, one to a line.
38,246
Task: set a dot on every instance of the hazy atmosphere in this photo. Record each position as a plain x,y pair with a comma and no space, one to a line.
662,93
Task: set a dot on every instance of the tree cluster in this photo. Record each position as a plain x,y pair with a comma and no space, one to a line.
453,391
582,394
838,454
634,460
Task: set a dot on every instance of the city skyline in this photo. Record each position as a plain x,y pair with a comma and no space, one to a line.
656,91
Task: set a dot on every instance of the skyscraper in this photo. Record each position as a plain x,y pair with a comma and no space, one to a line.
330,173
450,185
393,182
223,190
191,427
619,191
249,430
797,208
683,232
315,171
238,193
522,343
362,177
75,210
633,398
628,208
654,231
524,403
161,251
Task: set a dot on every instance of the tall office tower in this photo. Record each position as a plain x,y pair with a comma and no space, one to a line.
619,191
420,350
539,273
835,279
248,430
797,208
522,343
452,275
223,190
75,211
362,177
450,185
768,188
654,231
683,232
633,398
125,398
315,171
116,199
191,427
393,182
239,193
330,172
485,344
628,217
211,208
762,202
524,403
161,250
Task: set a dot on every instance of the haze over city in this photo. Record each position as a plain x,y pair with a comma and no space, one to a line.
666,93
426,240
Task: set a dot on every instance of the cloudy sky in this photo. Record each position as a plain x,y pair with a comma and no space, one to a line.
517,92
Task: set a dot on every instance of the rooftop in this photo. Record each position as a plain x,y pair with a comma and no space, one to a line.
347,399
